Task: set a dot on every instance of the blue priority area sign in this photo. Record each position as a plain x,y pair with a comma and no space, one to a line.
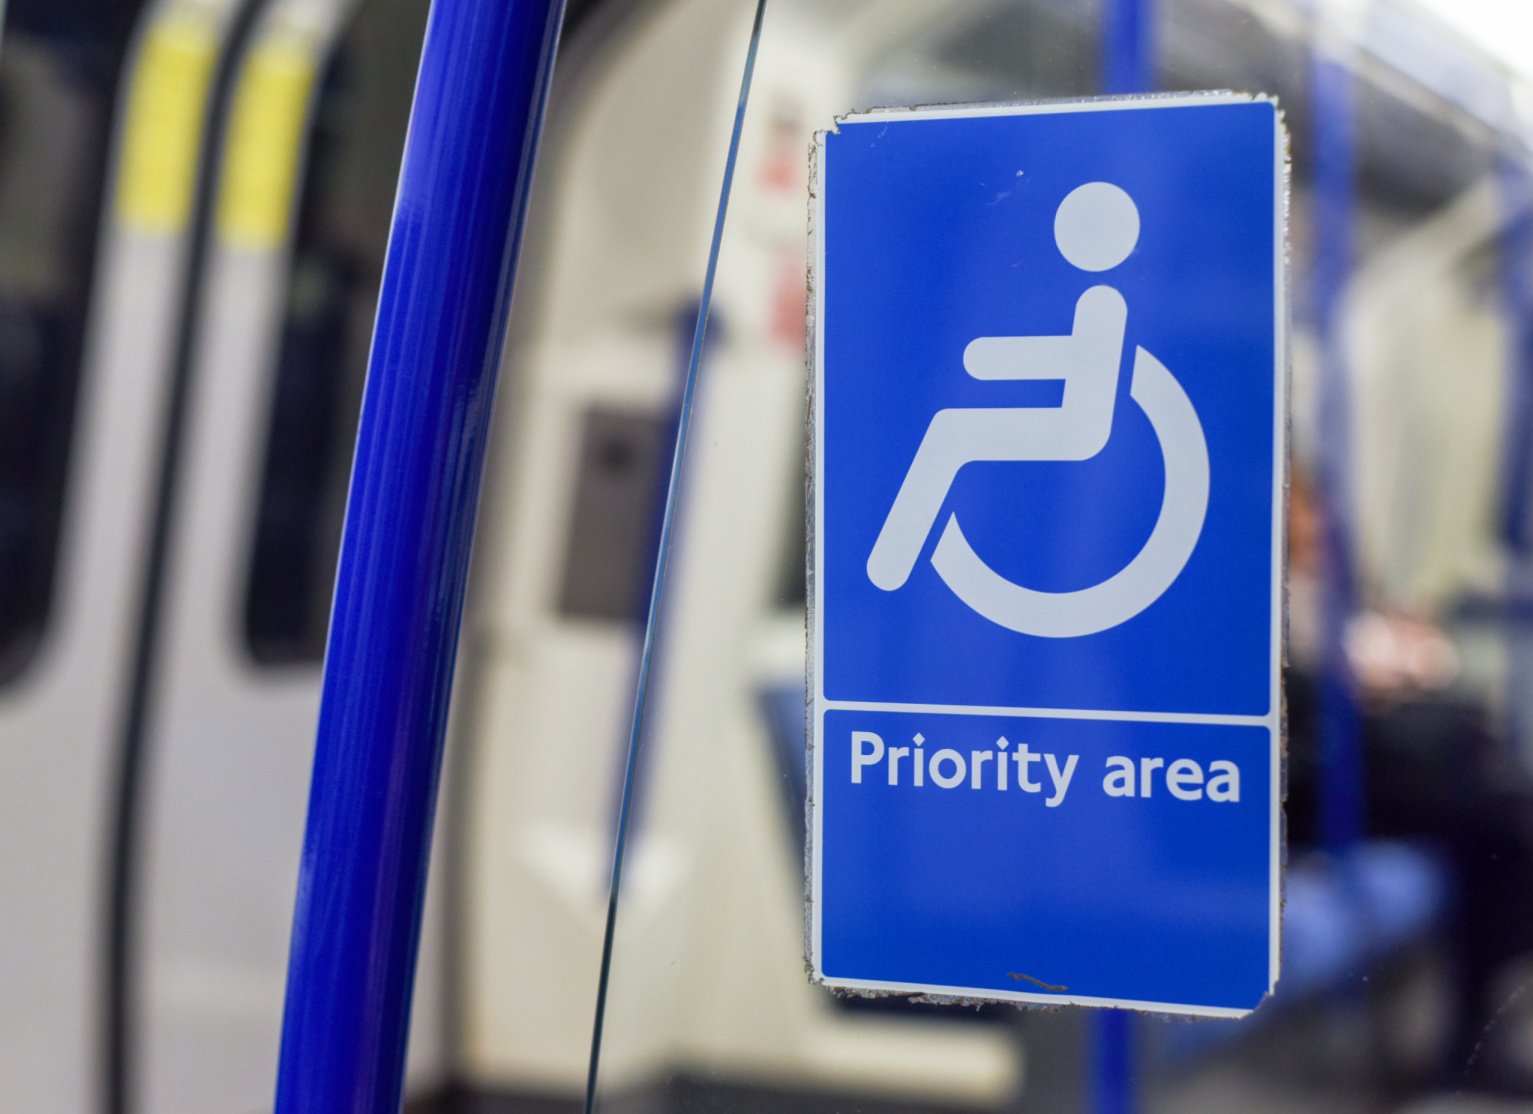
1048,471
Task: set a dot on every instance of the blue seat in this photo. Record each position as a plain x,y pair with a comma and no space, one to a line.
1343,916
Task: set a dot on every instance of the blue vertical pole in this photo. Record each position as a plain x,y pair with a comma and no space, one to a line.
1128,66
1114,1087
1515,179
458,219
1341,757
1128,46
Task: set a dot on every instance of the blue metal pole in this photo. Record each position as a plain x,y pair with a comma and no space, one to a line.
1114,1089
458,219
1516,279
1341,757
1128,46
1128,66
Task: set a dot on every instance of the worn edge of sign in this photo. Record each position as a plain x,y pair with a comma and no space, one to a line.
1284,451
1282,480
811,540
1043,105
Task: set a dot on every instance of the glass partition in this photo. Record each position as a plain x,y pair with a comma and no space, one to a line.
1406,942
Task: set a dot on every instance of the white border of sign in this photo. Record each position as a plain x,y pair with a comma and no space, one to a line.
818,705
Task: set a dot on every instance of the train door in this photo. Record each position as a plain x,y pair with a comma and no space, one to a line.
623,215
300,222
102,113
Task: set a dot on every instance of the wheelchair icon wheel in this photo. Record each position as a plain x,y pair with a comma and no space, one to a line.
1144,579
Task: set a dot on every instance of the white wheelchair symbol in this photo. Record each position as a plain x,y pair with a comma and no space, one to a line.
1095,227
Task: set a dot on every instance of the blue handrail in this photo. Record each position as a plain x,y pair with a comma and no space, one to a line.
1515,179
1128,66
1128,47
458,219
1335,187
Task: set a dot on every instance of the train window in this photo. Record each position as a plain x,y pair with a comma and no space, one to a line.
341,231
792,588
619,487
59,76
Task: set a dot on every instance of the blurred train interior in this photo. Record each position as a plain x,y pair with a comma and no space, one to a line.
195,201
